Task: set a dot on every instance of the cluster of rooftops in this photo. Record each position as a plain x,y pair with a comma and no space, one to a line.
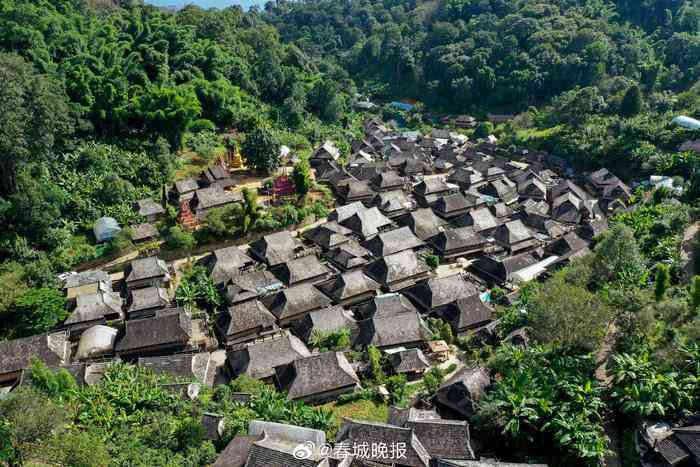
498,216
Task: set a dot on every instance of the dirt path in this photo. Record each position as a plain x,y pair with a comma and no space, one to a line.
603,359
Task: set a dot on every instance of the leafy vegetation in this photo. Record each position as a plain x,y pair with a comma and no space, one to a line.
547,399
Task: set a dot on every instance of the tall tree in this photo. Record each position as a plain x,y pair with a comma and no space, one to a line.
631,103
262,150
662,281
302,177
34,116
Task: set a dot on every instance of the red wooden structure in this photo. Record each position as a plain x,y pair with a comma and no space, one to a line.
283,186
185,217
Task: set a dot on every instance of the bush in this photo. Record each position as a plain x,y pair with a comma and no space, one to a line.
178,238
433,261
483,130
555,314
374,356
432,380
396,386
330,341
121,243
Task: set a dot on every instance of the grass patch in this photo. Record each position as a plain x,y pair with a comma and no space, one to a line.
358,410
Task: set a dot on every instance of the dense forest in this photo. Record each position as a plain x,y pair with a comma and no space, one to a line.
578,73
102,101
98,97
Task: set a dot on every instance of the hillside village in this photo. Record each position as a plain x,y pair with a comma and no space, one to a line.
425,226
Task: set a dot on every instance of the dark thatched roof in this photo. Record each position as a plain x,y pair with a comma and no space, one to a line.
244,317
361,432
276,248
348,285
52,349
394,241
424,223
299,270
440,291
258,360
294,301
166,329
324,372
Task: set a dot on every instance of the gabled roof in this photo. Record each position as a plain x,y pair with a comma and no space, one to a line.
388,179
328,235
244,317
86,278
250,285
52,349
236,452
187,185
187,367
392,201
349,255
355,189
424,223
349,284
394,241
393,330
566,186
465,177
342,213
502,210
408,361
397,267
466,313
361,432
440,291
276,248
95,306
457,239
302,269
512,232
148,207
367,223
568,245
327,319
214,196
296,300
399,416
148,298
259,360
327,150
532,187
443,439
453,203
146,268
387,305
429,186
143,231
227,262
481,219
324,372
464,389
173,328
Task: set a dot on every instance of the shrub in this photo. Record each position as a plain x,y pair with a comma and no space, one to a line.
178,238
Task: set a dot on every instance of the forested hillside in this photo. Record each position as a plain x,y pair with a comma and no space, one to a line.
597,82
500,53
97,97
